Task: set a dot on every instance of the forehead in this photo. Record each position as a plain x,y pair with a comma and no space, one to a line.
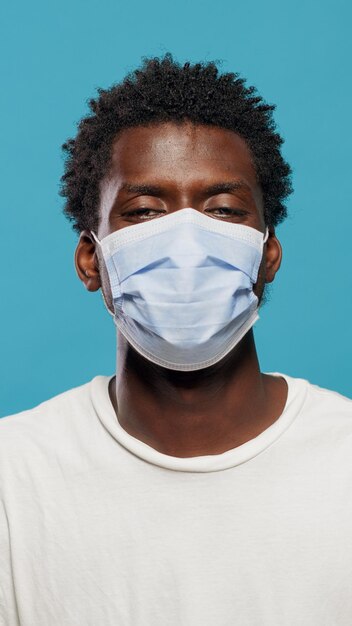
183,162
180,151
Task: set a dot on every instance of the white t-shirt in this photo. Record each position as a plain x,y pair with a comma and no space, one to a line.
100,529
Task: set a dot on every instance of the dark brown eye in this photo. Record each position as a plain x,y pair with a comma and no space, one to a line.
144,213
226,212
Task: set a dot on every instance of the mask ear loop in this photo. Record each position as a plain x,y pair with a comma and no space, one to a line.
112,313
266,235
94,236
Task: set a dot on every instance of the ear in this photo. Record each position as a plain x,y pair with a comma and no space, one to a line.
273,256
86,261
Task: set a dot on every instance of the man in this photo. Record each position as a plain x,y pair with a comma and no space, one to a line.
190,489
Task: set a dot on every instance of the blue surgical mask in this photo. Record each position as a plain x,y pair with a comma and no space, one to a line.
182,286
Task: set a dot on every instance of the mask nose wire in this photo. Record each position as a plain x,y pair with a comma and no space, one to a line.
264,240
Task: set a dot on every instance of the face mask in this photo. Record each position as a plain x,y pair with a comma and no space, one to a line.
182,286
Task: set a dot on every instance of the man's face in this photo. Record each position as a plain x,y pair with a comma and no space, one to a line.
166,167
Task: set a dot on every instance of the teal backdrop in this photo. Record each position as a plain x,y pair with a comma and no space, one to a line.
55,335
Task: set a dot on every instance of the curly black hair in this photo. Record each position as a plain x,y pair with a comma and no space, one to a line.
162,90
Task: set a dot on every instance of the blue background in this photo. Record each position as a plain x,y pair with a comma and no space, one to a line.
54,335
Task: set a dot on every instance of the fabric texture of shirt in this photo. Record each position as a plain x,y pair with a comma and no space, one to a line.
100,529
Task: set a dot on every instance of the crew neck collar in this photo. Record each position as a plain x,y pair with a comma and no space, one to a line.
297,389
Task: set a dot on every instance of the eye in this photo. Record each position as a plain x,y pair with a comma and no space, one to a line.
226,212
143,213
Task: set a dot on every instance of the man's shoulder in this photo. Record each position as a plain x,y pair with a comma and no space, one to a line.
58,433
323,412
48,418
328,399
331,396
321,395
331,411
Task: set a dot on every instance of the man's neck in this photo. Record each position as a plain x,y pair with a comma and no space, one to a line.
208,411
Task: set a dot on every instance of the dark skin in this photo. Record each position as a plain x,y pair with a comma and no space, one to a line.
156,170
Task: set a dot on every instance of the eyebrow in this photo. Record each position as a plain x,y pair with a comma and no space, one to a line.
142,189
226,187
212,190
